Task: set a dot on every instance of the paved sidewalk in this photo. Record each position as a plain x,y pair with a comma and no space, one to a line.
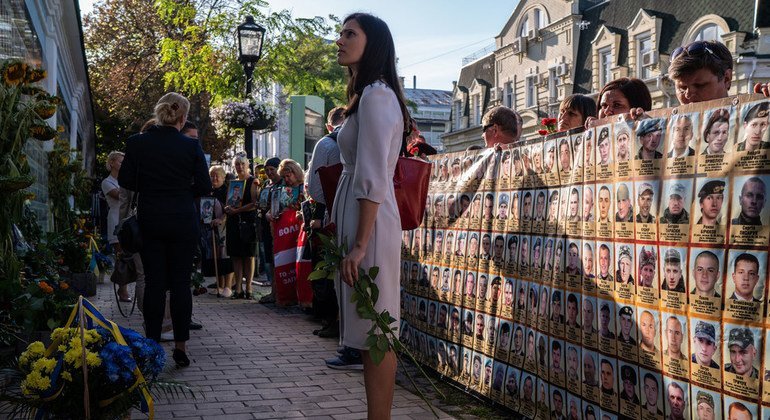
253,361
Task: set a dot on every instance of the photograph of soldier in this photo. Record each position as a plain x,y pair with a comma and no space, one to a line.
473,245
677,193
443,171
629,392
606,320
673,274
589,315
476,370
590,378
624,272
573,214
537,158
553,206
646,203
543,355
627,331
563,205
588,259
648,330
480,327
704,345
573,311
482,287
625,208
573,372
705,405
489,205
416,242
745,277
558,256
456,170
491,338
755,123
465,205
449,243
468,317
577,149
432,311
605,204
470,285
607,375
605,259
588,146
574,265
622,142
543,305
604,146
675,334
512,386
526,207
521,301
508,293
512,250
436,244
649,134
716,132
550,156
589,412
565,155
457,284
498,249
517,348
518,166
750,202
676,399
736,409
486,247
557,359
524,253
683,128
557,405
504,333
502,206
706,273
540,206
588,203
543,395
741,349
651,393
505,165
557,309
498,378
475,212
439,209
647,273
451,205
711,196
548,256
530,350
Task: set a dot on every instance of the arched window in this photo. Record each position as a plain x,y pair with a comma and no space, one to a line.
541,19
709,32
524,28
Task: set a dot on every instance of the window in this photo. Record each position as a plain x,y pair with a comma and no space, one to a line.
541,19
605,66
524,28
508,95
709,32
645,57
531,92
476,109
458,114
553,85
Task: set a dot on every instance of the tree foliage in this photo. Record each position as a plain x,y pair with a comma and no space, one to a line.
139,49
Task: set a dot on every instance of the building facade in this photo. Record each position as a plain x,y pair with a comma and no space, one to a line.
48,33
431,112
549,49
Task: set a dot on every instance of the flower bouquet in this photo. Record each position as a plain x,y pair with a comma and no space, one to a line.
549,126
93,369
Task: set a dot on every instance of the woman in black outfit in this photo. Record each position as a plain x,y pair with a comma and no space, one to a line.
169,172
239,218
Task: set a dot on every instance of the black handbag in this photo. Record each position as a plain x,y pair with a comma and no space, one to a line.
124,272
129,235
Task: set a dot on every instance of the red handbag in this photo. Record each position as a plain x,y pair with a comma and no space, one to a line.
410,182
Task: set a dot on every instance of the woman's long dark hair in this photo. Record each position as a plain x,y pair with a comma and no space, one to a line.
377,63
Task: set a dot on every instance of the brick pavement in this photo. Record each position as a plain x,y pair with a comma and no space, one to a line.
255,361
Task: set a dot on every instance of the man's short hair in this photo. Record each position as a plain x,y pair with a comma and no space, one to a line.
738,406
336,116
713,56
504,117
746,257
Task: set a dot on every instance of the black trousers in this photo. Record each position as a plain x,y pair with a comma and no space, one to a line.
167,266
324,296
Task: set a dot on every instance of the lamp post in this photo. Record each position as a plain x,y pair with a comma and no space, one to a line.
250,40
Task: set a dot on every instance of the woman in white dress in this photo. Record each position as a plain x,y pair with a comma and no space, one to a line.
111,191
365,209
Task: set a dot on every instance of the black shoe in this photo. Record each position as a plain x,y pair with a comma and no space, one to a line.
212,286
350,359
331,331
238,295
195,326
181,359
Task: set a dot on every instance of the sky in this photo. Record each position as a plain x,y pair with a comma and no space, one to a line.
431,36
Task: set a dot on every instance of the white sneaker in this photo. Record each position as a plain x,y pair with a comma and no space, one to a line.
227,292
167,336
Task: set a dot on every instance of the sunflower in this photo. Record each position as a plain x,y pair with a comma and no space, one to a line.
14,72
45,109
42,132
35,75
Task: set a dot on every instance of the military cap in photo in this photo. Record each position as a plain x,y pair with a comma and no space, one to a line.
605,307
504,198
760,110
456,161
626,311
704,397
646,257
648,126
740,337
625,252
604,133
556,296
623,193
676,188
627,374
672,256
590,411
551,146
516,154
705,330
644,188
712,187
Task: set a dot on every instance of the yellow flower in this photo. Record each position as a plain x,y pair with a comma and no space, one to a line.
14,73
34,351
66,376
35,75
35,382
42,132
44,365
93,359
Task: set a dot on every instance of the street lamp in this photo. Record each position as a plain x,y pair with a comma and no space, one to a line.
250,40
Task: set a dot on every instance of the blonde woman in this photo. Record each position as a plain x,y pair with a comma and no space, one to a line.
111,190
241,249
159,165
224,265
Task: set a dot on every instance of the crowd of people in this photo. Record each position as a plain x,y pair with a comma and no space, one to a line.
166,167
